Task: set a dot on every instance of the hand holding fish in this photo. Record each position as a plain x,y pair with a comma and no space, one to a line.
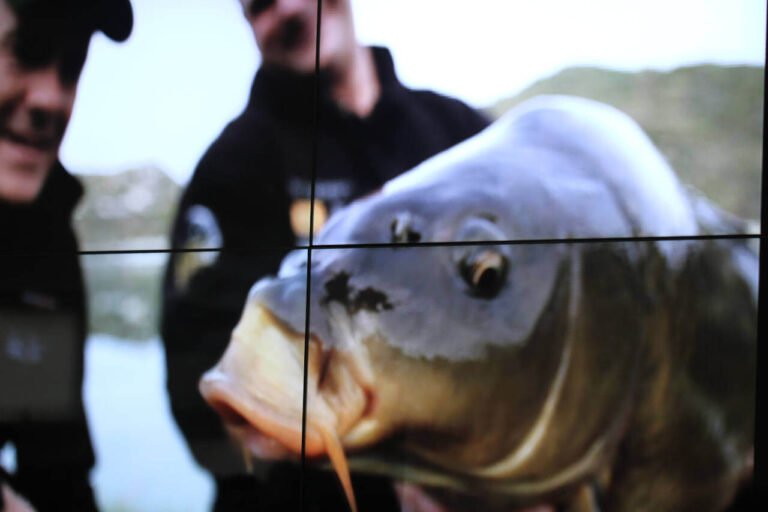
13,502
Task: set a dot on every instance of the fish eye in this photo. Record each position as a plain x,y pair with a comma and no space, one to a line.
485,272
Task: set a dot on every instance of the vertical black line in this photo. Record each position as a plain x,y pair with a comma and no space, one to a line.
313,176
759,474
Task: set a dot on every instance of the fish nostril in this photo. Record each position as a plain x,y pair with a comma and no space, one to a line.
402,229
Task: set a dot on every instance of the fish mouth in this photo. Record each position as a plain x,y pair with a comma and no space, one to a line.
258,390
258,426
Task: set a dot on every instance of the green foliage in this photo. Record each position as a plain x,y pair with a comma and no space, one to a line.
127,211
707,121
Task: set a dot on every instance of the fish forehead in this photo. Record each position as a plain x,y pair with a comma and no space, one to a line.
521,203
536,185
561,141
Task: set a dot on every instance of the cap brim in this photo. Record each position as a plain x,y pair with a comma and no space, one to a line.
115,19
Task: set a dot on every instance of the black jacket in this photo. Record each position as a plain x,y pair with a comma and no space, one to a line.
42,335
245,197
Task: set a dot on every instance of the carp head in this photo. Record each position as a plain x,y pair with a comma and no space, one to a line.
460,368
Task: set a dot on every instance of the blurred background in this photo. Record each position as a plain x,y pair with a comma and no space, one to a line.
689,71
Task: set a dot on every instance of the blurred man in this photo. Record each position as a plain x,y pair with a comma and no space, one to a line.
43,46
250,195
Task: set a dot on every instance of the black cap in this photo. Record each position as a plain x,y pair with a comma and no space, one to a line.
113,17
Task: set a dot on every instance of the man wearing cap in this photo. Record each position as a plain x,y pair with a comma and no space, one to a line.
250,195
43,46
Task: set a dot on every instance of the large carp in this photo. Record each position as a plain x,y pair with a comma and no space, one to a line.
481,340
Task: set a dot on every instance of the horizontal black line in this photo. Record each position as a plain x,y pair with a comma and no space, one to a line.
539,241
527,241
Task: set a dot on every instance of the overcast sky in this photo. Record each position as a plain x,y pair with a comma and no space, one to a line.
160,98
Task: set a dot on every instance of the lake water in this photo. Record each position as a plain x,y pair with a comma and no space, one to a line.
142,463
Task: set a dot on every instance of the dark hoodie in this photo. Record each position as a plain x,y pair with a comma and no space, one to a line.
42,335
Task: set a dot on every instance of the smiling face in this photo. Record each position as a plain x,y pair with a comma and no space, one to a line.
39,67
286,31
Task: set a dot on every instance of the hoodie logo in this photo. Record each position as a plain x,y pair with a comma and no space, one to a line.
300,217
201,231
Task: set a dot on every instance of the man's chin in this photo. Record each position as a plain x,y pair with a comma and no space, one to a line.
21,185
23,170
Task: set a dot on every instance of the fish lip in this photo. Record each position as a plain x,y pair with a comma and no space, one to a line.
260,445
262,430
253,421
213,388
261,427
260,422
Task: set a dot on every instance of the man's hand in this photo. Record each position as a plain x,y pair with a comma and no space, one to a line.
13,502
413,499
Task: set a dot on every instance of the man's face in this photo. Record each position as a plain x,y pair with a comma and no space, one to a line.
39,68
286,31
